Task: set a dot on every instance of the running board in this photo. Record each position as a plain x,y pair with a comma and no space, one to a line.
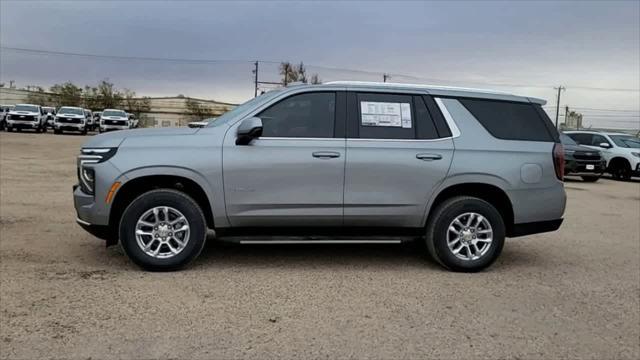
280,242
315,239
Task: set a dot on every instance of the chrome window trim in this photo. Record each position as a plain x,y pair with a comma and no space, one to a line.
400,140
297,138
455,131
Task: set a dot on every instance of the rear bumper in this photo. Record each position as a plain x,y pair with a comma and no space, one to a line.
535,227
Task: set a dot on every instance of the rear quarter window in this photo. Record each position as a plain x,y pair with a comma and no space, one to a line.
510,120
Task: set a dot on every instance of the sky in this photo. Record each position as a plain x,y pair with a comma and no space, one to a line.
592,48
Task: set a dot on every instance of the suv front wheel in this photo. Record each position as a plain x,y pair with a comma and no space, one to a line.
163,230
465,234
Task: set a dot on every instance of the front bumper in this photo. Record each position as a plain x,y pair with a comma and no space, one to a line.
69,126
585,168
16,124
90,219
113,127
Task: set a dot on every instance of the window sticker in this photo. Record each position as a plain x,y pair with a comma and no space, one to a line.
385,114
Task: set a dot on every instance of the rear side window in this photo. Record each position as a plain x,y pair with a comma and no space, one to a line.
509,120
581,138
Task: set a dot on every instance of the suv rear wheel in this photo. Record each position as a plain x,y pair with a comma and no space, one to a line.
465,234
162,230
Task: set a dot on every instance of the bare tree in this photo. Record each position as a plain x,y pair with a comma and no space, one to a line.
198,110
66,94
296,73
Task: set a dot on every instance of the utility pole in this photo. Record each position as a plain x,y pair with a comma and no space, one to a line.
385,77
566,116
255,80
560,88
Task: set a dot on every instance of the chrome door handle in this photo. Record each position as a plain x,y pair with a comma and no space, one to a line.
325,154
428,157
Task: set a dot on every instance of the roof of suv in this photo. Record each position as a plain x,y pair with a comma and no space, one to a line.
439,90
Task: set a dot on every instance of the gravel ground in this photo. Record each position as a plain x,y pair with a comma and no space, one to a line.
574,293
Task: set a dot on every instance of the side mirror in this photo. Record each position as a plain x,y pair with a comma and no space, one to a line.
248,130
604,145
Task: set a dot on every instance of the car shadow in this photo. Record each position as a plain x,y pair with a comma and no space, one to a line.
217,254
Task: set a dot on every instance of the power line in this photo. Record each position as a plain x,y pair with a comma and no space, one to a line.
237,61
118,57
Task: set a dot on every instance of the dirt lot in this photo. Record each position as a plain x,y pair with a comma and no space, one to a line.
573,293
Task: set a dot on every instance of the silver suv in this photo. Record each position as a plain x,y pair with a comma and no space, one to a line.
348,162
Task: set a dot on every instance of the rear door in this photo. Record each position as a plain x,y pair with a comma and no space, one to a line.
293,175
396,155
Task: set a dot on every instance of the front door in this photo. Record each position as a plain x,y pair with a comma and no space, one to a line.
293,175
396,155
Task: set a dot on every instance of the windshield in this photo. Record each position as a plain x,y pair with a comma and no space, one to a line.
70,110
229,115
29,108
626,141
566,140
114,113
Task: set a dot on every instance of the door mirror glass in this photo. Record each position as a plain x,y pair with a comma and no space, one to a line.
604,145
248,130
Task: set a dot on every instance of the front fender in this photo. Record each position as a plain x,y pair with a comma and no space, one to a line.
216,202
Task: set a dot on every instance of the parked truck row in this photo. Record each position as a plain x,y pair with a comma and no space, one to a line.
64,119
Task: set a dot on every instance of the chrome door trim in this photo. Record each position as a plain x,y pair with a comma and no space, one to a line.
399,140
455,131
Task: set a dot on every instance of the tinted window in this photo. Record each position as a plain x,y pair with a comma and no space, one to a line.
509,120
598,139
566,140
626,141
581,138
304,115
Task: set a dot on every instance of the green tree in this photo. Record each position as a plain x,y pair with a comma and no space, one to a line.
66,94
198,110
90,98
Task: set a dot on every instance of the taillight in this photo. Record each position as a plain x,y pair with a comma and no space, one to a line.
558,160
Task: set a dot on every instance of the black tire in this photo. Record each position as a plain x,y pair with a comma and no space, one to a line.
438,225
590,178
620,169
18,129
100,130
44,128
163,197
57,131
84,131
9,129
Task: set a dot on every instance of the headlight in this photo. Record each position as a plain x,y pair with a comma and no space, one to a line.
636,154
87,158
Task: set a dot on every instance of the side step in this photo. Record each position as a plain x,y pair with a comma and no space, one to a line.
282,240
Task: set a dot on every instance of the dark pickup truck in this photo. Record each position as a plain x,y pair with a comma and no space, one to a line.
581,160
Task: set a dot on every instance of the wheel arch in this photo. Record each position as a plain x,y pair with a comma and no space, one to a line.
487,191
134,186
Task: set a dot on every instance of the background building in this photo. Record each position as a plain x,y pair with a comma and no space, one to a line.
163,111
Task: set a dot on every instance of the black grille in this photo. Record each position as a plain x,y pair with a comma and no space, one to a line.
69,120
22,117
115,122
586,155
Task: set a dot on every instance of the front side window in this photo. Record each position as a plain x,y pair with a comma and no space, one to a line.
599,139
626,141
308,115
